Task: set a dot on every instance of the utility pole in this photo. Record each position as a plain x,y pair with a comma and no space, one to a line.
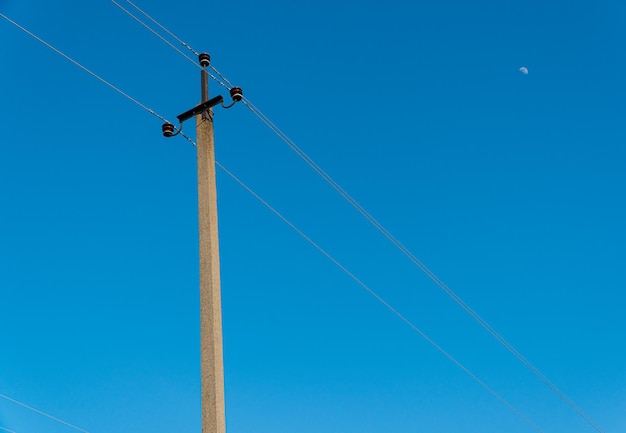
211,352
211,357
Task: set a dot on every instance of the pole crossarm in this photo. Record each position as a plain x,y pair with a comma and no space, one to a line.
199,109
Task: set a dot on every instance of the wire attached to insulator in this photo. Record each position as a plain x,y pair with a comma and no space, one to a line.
236,95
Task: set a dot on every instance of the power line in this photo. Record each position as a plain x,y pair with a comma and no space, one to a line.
444,287
93,74
379,298
40,412
359,208
228,84
183,43
155,33
179,40
222,81
6,430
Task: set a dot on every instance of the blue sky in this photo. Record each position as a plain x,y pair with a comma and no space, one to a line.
509,187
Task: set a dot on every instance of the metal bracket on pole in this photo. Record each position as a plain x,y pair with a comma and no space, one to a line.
198,109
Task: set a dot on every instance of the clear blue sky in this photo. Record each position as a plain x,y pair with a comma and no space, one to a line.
510,187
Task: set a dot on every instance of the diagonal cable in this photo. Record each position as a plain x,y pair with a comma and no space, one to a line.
430,274
172,46
155,33
180,41
228,84
40,412
93,74
379,298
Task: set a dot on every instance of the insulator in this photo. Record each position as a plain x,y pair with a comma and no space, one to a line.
205,59
236,94
168,129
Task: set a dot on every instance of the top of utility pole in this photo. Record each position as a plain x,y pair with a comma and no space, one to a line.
236,94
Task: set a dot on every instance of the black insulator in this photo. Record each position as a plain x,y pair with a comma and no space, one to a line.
168,129
236,94
205,59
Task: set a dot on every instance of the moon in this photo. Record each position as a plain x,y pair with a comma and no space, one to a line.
524,70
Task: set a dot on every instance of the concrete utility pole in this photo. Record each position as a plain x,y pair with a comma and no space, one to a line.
211,363
211,357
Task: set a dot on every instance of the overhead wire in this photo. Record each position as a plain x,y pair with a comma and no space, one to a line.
383,230
172,46
93,74
430,274
6,430
183,43
222,81
378,297
177,39
315,245
155,33
40,412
